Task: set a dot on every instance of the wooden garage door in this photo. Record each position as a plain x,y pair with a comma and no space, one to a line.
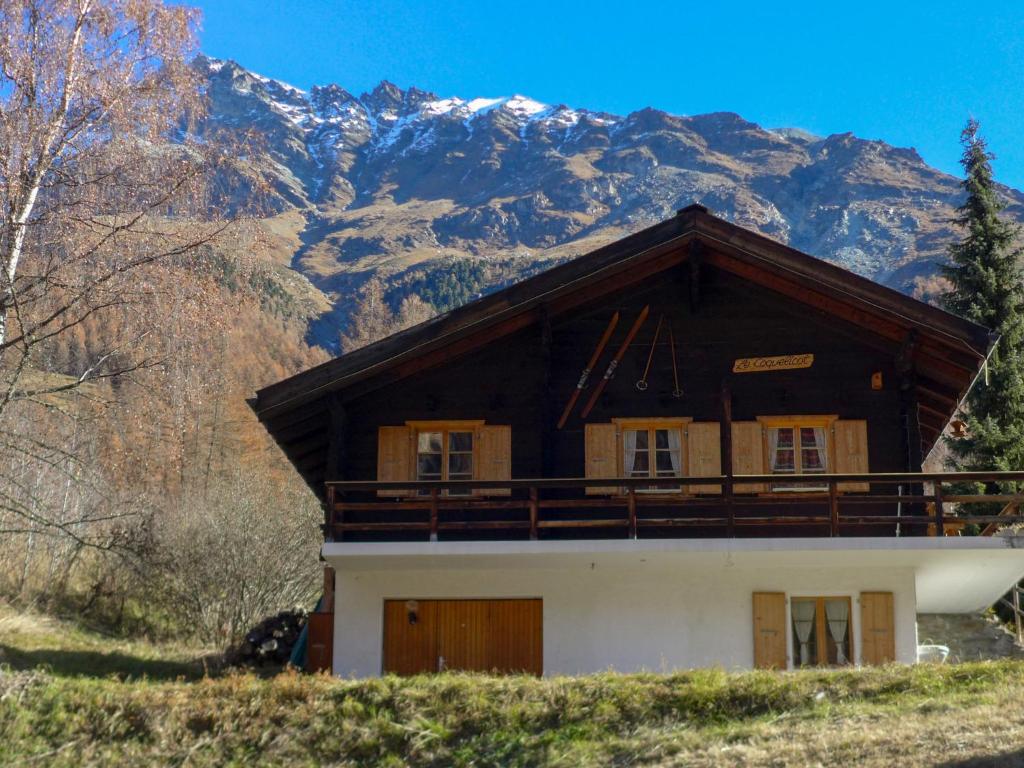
472,635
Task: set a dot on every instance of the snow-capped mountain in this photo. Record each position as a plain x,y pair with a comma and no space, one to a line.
420,188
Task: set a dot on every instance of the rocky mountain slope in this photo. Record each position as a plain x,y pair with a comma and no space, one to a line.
449,197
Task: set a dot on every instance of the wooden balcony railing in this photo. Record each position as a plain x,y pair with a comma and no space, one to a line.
898,504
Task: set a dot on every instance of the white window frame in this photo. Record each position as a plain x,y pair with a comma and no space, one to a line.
796,423
651,425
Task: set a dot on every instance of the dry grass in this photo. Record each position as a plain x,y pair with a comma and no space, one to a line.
33,642
968,715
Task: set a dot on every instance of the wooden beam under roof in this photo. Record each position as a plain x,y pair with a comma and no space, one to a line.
945,371
955,330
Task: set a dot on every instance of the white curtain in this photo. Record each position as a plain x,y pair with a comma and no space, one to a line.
629,446
819,443
773,448
838,614
674,452
803,623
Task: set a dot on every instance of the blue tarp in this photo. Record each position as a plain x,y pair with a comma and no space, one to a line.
298,657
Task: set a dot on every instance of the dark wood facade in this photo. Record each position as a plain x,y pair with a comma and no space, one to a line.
515,357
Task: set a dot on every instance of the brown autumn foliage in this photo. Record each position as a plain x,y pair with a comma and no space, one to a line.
126,353
373,319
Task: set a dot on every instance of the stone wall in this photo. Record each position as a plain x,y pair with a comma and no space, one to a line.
969,637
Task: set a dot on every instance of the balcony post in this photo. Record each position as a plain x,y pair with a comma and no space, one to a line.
329,534
631,510
534,510
730,511
939,516
833,507
433,514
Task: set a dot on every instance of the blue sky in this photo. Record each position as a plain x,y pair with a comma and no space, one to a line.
909,73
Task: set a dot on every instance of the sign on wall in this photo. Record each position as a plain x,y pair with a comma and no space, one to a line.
766,364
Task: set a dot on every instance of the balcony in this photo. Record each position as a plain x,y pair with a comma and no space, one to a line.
896,504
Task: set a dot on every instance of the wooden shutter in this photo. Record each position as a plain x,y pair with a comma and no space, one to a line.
602,451
395,456
704,452
851,451
748,455
769,630
877,628
493,457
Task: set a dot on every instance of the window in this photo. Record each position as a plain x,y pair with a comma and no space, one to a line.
444,450
652,449
445,453
798,445
821,631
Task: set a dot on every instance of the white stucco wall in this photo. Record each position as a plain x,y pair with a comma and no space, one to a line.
652,613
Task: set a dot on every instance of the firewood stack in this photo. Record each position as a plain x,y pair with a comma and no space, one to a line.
271,641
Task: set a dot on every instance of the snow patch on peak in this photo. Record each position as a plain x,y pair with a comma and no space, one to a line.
521,105
483,105
287,87
214,65
518,106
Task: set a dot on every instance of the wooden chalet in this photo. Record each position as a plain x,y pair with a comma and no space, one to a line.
695,445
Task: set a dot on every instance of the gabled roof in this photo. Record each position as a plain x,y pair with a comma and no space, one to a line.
944,351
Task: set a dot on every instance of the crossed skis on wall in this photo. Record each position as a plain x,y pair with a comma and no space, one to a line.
613,364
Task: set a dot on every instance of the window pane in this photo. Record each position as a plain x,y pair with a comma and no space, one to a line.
810,460
460,441
634,452
785,437
429,442
460,464
784,460
664,462
837,623
807,439
661,439
805,640
641,464
428,466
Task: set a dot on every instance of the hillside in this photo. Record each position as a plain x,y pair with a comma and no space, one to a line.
70,698
449,197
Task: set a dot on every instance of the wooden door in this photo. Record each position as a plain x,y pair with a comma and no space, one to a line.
410,636
320,642
769,630
504,636
463,635
877,628
516,640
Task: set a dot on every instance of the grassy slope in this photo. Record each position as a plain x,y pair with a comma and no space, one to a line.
91,707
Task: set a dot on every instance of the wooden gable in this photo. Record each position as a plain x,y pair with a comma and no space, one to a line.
938,354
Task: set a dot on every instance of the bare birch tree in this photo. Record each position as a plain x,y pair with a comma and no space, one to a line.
102,189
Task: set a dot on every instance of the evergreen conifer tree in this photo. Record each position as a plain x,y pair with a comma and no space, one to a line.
986,288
